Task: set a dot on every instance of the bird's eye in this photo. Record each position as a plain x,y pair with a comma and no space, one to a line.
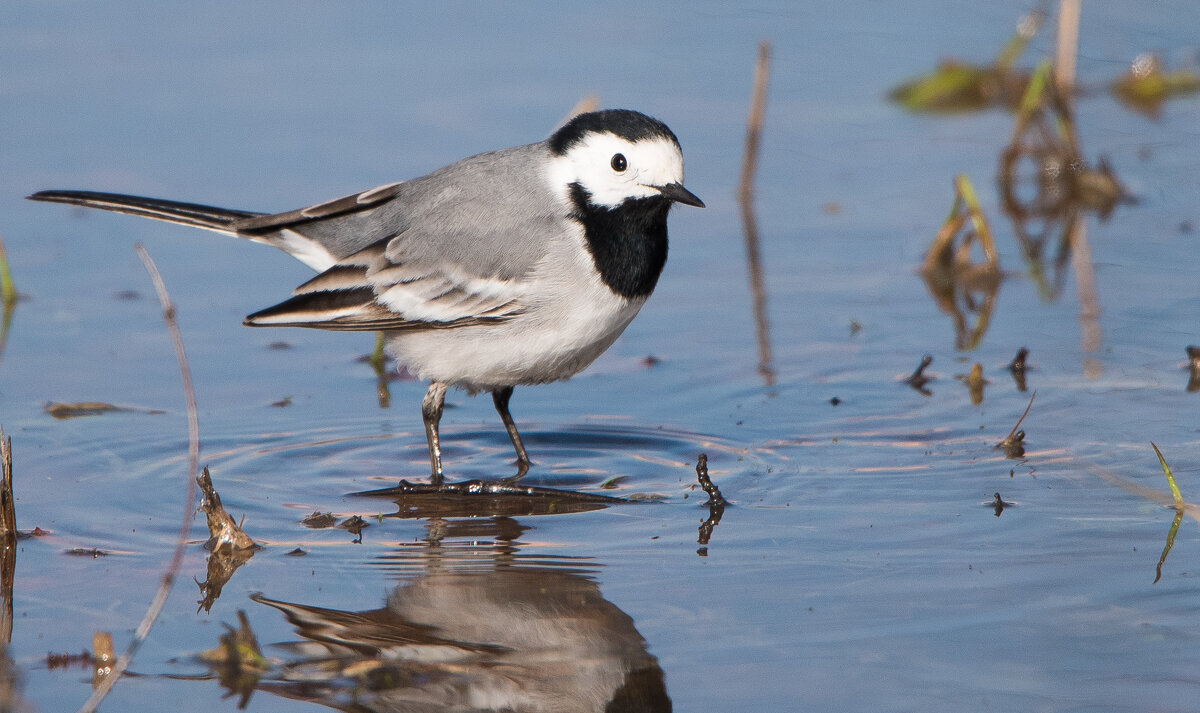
619,164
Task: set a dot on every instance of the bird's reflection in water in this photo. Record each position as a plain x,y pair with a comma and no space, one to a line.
473,628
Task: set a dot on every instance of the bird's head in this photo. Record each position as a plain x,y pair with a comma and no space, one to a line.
616,156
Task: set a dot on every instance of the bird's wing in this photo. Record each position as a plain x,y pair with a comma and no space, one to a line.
368,291
454,248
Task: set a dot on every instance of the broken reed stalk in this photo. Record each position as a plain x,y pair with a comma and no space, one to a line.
8,531
8,515
745,194
964,189
224,533
164,588
940,255
1013,432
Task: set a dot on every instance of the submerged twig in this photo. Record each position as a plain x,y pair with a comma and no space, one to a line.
484,488
706,484
1017,365
716,504
1193,354
164,588
745,194
919,378
1017,368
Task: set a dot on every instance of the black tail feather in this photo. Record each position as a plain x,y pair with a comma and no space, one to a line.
195,214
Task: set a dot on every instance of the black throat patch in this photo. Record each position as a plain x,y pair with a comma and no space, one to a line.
628,243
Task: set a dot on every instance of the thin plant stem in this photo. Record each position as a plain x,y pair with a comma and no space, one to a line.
168,579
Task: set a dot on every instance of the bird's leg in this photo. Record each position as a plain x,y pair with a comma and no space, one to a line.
431,413
500,397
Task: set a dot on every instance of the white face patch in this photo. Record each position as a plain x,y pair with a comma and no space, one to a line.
648,163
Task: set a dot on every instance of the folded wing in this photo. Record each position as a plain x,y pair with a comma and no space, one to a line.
367,291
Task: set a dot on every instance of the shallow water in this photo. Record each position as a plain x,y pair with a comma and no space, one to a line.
858,567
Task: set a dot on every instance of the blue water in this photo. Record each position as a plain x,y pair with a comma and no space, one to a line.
857,569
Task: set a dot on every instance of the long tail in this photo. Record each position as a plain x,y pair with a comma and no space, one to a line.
221,220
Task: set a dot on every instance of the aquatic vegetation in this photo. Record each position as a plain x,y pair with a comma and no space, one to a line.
956,86
1147,85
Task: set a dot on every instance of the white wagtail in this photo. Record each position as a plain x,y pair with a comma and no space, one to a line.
512,267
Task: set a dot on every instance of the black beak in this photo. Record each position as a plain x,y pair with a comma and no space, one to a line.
679,194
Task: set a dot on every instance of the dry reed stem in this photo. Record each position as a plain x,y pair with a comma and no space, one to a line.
1085,285
1068,47
589,103
164,588
1081,256
754,122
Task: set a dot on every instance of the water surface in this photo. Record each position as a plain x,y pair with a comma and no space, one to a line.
858,567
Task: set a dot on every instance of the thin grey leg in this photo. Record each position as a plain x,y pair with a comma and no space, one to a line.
500,397
431,413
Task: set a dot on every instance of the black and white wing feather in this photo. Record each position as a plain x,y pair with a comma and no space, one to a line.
458,248
367,291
